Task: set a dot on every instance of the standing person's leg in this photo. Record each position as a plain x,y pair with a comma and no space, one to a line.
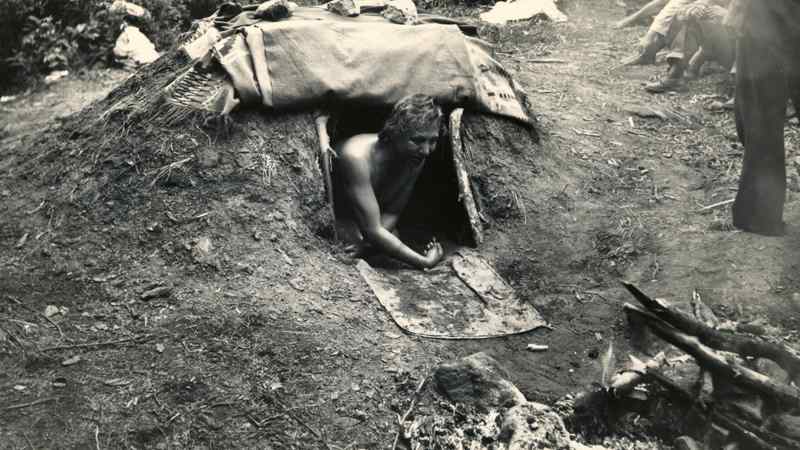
794,94
793,74
761,94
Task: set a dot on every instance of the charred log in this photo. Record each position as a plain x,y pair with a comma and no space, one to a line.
745,346
785,395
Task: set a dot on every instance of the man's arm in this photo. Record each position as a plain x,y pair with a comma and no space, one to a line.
389,221
367,214
391,213
648,10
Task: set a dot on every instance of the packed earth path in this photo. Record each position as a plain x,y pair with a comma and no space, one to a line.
292,350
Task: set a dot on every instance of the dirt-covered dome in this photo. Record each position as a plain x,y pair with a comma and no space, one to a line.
129,208
202,299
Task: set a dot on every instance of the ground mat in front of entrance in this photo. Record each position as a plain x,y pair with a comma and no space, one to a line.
462,298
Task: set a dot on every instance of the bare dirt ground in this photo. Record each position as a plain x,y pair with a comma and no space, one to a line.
286,346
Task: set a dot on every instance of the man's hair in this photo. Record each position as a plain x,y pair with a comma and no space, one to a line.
410,113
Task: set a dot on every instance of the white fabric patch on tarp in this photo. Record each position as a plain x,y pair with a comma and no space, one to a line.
503,12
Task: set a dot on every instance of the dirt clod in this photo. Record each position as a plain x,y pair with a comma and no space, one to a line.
71,361
157,292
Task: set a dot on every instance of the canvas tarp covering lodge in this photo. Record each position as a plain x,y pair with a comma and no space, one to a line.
317,58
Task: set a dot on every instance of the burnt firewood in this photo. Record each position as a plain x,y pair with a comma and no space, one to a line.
786,357
786,425
750,435
785,395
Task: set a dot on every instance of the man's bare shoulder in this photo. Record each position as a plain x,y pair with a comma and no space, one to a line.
358,147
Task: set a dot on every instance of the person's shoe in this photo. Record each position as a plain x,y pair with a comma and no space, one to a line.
730,104
665,85
762,228
722,106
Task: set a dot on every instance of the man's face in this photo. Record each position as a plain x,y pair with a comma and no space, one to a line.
417,144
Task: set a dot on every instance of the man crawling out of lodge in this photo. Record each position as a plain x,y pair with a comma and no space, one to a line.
375,174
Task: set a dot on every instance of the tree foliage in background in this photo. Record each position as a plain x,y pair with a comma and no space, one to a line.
39,36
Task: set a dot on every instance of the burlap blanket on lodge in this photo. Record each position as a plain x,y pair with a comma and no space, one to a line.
316,58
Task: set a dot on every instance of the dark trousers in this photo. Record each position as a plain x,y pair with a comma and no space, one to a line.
766,77
683,45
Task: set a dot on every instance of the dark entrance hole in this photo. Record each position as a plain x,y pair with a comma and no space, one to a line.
435,208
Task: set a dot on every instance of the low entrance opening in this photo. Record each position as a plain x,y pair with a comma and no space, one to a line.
435,208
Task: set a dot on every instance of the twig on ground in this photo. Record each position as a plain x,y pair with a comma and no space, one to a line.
401,420
41,205
520,206
98,344
195,217
260,423
28,404
586,132
16,301
30,444
311,430
167,170
117,382
316,433
13,337
596,294
21,322
159,404
716,205
546,61
97,437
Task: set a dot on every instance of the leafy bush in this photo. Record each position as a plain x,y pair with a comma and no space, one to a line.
48,45
39,36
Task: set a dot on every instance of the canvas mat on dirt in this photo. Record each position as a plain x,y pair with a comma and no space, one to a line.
316,58
462,298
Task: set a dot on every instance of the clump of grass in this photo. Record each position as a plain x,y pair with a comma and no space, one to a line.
627,240
267,168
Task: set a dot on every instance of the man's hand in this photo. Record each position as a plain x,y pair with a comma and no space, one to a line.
361,250
433,253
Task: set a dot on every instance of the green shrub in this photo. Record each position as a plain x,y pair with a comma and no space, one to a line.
39,36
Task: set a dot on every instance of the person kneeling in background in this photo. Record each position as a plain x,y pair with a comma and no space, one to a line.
702,36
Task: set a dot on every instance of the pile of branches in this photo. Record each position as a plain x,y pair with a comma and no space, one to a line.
745,396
